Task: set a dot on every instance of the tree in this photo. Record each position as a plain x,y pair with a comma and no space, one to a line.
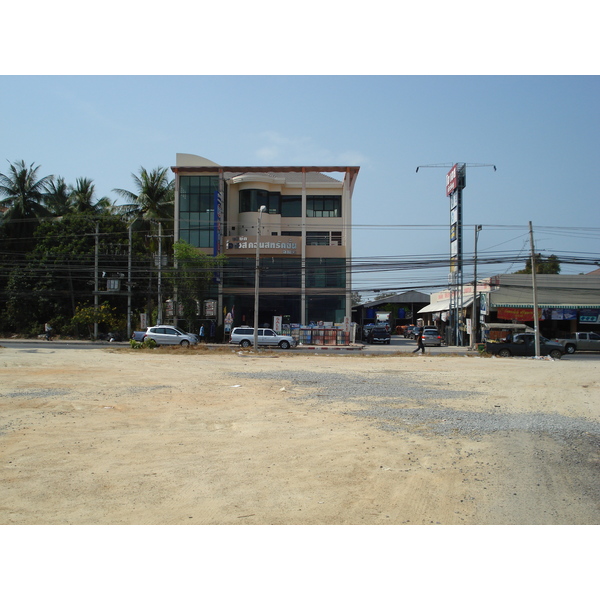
192,277
153,198
23,201
547,266
83,201
58,198
151,202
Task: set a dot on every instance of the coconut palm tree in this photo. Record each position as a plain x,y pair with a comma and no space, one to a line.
58,198
153,198
22,205
23,192
82,198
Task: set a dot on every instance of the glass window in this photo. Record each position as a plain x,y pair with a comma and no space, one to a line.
196,209
317,238
324,206
326,272
291,206
252,200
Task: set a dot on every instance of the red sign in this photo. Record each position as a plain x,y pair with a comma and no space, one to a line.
451,180
517,314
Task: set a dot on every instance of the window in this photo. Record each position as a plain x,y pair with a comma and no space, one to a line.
324,206
291,206
317,238
252,200
325,272
197,198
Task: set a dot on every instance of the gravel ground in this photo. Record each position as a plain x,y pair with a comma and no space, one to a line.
201,437
390,403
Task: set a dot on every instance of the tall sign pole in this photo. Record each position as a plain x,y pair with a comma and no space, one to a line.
456,180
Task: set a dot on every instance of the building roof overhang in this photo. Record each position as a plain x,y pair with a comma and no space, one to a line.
217,169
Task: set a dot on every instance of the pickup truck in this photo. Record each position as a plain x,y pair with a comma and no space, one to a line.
523,344
580,341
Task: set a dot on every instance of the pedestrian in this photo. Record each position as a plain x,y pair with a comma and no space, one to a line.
48,331
201,333
420,345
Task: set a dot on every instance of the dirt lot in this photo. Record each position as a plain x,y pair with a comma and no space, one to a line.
118,436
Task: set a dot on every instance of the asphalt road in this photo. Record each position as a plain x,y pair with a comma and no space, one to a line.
398,344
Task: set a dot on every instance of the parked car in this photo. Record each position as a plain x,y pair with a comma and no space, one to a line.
411,332
580,341
168,335
378,335
432,337
244,337
523,344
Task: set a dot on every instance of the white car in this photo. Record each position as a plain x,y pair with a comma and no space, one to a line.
244,337
168,335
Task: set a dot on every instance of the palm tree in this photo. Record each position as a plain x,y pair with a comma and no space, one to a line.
153,199
22,203
58,198
82,198
23,192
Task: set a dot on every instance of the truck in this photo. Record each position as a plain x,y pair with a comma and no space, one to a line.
580,341
523,344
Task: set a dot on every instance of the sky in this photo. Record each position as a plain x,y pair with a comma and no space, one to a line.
540,132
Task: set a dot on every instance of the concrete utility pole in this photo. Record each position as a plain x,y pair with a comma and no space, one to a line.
536,316
96,281
475,324
129,282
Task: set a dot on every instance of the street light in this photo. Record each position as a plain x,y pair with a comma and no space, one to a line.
256,282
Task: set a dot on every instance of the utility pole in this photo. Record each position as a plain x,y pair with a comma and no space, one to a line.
536,316
129,282
475,324
160,308
257,277
96,281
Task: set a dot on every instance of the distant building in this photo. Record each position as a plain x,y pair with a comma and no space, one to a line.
566,303
305,239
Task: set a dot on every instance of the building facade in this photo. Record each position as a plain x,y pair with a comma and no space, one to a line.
566,303
304,242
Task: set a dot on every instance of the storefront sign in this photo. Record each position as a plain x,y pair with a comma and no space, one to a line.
276,244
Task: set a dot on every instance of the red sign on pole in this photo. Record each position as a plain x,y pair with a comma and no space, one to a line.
451,180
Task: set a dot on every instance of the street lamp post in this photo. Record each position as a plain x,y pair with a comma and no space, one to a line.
256,276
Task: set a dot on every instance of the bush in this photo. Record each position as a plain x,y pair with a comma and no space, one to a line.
148,343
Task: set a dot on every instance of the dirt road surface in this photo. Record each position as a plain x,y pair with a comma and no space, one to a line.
121,436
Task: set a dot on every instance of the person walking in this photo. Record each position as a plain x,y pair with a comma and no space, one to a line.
201,333
48,331
420,345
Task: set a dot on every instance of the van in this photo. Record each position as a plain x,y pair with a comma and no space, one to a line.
244,337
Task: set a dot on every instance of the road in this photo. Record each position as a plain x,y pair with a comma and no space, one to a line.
398,344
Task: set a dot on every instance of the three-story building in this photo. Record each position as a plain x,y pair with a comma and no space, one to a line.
305,236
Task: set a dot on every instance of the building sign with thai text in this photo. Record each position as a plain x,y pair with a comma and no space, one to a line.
277,244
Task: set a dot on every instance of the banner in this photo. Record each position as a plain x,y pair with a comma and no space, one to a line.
517,314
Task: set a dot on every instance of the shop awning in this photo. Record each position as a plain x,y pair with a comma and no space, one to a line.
436,307
543,305
443,305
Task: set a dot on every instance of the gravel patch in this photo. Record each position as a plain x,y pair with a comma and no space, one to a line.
397,404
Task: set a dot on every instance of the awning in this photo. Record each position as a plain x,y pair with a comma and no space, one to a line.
435,307
543,305
445,305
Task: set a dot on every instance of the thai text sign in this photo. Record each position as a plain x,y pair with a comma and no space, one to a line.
276,244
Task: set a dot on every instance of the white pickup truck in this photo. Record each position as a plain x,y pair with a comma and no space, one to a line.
580,341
